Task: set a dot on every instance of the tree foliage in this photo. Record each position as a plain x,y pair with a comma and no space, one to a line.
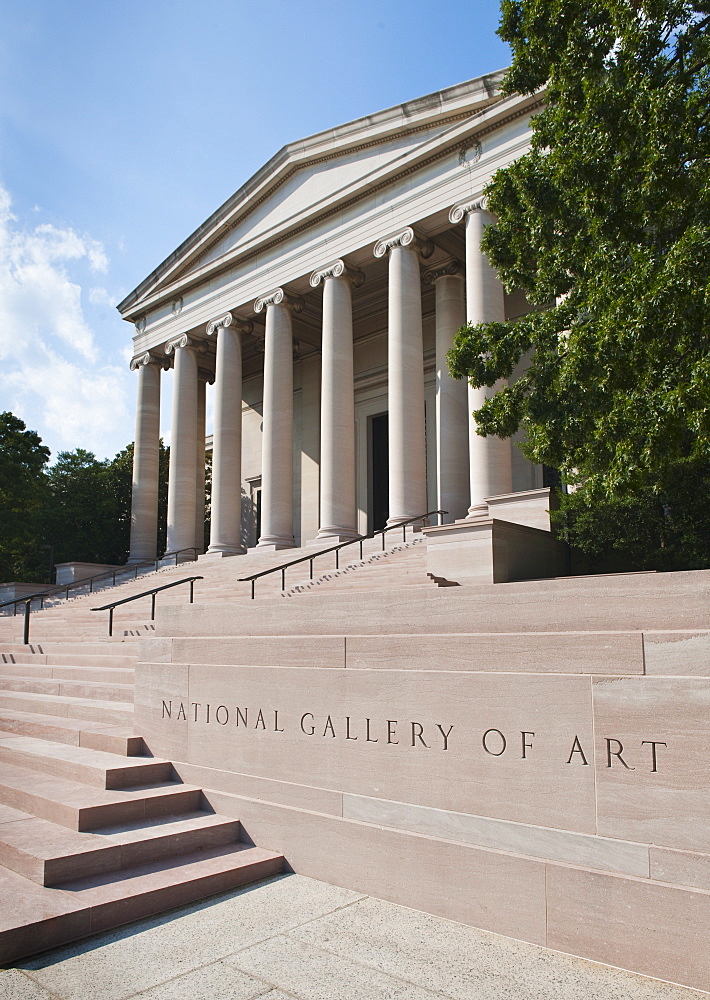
22,497
605,225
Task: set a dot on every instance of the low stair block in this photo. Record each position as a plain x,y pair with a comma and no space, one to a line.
91,767
81,807
75,732
49,854
66,706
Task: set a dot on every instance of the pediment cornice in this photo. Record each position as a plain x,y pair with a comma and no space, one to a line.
458,123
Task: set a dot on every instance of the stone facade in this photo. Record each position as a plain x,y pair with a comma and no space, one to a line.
321,300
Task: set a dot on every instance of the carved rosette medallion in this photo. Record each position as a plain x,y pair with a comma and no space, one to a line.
337,269
279,297
459,212
239,324
406,238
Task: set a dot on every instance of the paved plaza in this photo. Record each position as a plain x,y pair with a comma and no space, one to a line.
295,937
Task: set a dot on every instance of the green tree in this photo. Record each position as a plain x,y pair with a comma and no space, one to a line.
23,488
80,514
605,225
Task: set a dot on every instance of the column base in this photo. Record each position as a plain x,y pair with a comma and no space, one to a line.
333,536
222,552
475,513
272,543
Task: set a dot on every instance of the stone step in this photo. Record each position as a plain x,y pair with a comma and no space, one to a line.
645,602
98,675
91,767
74,732
49,854
76,909
68,688
104,648
79,807
106,660
65,706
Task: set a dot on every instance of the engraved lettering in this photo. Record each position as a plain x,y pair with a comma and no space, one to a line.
329,726
226,715
311,731
196,705
418,735
654,744
445,735
347,729
391,730
260,719
526,746
167,709
367,732
208,713
577,748
244,716
493,753
181,712
616,753
276,722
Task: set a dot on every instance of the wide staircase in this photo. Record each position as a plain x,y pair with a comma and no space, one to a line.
94,832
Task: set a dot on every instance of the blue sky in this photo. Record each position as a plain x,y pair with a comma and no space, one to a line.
124,124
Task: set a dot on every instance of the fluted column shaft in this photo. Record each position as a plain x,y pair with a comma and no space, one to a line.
489,457
405,377
183,448
199,542
146,455
277,439
225,525
451,397
338,519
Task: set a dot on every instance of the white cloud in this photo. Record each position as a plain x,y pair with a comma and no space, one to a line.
54,375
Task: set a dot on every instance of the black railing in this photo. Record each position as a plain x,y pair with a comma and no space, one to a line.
27,601
337,548
56,590
148,593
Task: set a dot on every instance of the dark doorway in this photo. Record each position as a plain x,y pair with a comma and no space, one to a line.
380,471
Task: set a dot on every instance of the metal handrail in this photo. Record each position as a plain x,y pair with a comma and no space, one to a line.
336,548
148,593
66,587
27,601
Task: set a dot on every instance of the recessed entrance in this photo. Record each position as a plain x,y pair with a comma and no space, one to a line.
379,471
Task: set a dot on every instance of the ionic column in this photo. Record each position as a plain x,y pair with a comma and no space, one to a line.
405,378
146,451
277,439
200,434
451,394
183,446
226,523
338,519
490,457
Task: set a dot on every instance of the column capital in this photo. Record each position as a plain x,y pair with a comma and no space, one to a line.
337,269
464,208
146,358
185,341
450,268
229,319
404,238
279,297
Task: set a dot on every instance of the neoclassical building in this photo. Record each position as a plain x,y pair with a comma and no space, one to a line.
320,301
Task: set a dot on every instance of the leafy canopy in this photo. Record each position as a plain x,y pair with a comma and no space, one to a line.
605,225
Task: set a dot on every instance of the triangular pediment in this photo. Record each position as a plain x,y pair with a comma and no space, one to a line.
314,176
